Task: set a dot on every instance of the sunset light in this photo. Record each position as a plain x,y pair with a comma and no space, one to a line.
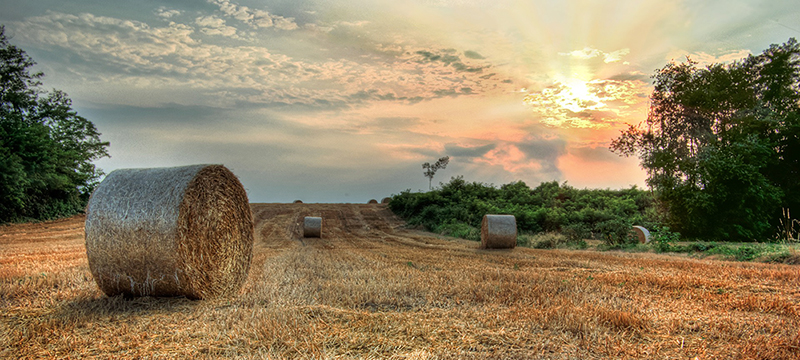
363,92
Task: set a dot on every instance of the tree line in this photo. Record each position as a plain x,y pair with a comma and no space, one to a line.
721,144
46,148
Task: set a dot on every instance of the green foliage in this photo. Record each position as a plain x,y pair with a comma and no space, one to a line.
46,148
459,230
457,208
764,252
721,144
664,240
550,240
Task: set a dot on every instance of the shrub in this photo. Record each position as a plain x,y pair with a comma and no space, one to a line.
457,208
664,240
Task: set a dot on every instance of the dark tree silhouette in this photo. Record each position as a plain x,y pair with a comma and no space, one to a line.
430,170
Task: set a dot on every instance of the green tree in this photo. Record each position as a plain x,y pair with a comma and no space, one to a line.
720,144
430,170
46,148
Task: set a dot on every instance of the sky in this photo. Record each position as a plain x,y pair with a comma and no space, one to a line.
343,101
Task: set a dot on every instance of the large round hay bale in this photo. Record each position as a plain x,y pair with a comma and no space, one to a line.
180,231
312,226
373,201
642,234
298,201
499,232
386,200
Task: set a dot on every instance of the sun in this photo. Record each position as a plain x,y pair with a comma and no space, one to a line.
568,102
576,95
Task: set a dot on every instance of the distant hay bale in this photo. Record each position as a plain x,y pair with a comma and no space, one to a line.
298,201
373,201
642,234
386,200
498,232
180,231
312,226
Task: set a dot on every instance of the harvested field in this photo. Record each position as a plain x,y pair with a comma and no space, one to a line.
373,289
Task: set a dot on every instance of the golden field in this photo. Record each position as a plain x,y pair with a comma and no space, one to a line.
371,288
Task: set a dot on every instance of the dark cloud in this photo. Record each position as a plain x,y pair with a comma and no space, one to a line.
546,151
364,96
446,92
396,122
412,100
459,66
448,60
468,152
473,55
543,148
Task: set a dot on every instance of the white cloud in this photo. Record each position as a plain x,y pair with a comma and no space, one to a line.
589,53
585,53
175,59
704,58
615,56
254,17
212,25
167,13
353,23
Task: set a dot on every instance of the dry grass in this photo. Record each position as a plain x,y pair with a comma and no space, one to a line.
372,289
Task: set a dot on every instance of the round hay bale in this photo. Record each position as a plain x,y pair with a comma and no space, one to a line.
180,231
312,226
498,232
386,200
298,201
642,234
373,201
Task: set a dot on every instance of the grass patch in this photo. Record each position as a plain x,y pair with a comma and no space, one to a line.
549,240
760,252
459,230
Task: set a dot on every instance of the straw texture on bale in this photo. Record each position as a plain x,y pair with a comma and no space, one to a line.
312,226
181,231
386,200
373,201
499,232
642,234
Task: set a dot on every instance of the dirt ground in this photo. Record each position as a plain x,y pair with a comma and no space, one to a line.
371,288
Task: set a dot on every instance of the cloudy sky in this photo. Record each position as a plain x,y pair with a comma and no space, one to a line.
342,101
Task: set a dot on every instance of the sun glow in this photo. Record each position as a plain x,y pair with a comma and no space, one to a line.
576,96
595,104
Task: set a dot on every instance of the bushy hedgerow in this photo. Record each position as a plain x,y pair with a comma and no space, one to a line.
457,208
